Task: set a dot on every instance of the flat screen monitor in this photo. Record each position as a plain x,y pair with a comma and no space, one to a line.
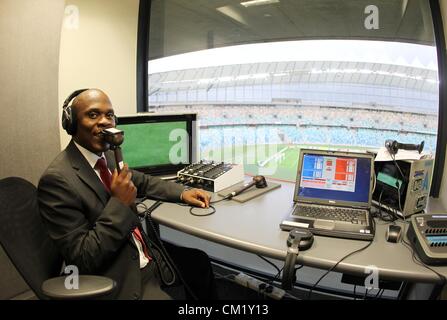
159,143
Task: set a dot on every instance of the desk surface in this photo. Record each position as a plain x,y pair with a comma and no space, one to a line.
254,227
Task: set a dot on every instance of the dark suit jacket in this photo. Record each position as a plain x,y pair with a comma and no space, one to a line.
91,229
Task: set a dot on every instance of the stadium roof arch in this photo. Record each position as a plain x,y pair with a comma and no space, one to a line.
323,72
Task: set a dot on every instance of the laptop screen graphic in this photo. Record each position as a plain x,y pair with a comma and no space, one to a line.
335,178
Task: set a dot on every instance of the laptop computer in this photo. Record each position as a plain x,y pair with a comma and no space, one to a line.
332,194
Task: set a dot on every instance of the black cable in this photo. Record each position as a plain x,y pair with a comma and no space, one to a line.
417,260
269,262
192,208
366,294
276,277
385,216
378,293
400,203
379,214
389,215
146,210
294,272
335,265
404,179
202,215
145,215
298,268
271,281
169,262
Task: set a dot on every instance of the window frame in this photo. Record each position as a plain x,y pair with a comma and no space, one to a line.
438,30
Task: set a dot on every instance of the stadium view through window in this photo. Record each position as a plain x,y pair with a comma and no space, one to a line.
350,82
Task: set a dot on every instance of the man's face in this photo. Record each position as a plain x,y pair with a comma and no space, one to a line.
94,113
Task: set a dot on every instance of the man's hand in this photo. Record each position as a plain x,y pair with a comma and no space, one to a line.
196,197
122,186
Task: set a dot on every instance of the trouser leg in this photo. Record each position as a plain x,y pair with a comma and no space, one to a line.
195,268
150,282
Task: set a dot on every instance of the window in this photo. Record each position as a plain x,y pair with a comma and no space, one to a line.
277,75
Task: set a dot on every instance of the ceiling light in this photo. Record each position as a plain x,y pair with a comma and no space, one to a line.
232,13
258,2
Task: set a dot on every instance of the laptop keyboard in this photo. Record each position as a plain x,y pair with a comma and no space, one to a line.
354,216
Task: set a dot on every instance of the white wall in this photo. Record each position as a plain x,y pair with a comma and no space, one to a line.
100,52
29,51
29,57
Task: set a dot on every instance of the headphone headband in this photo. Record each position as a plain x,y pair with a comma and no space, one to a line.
73,95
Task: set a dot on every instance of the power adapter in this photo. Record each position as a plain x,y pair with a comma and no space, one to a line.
259,286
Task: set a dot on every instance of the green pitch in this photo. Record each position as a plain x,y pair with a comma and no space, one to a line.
276,161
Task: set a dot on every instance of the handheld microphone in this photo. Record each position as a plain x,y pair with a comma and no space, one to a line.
115,137
259,181
393,146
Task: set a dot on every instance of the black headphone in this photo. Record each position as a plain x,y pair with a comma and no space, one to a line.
298,239
393,146
69,118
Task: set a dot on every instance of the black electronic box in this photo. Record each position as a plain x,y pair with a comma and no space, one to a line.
428,236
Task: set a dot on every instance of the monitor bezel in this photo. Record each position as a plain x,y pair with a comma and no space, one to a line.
191,128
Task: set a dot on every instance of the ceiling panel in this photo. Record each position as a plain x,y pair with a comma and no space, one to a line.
178,26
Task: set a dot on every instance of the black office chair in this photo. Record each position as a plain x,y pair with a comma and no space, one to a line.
25,240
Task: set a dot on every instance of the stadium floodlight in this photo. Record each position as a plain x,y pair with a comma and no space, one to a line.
258,3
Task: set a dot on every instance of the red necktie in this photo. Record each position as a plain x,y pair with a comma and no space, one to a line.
104,173
137,234
106,179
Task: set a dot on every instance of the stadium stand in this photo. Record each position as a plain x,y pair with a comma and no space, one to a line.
225,125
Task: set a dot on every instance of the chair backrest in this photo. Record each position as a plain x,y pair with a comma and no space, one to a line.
23,235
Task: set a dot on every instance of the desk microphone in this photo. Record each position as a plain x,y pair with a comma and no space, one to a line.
259,181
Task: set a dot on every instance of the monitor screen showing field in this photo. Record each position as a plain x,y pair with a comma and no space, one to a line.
155,143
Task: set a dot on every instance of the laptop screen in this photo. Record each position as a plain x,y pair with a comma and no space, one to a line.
335,177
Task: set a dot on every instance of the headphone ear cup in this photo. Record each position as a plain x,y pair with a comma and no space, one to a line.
68,120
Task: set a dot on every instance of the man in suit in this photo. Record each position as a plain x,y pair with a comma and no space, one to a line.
87,210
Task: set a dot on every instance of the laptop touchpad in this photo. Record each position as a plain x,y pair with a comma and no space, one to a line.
324,224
